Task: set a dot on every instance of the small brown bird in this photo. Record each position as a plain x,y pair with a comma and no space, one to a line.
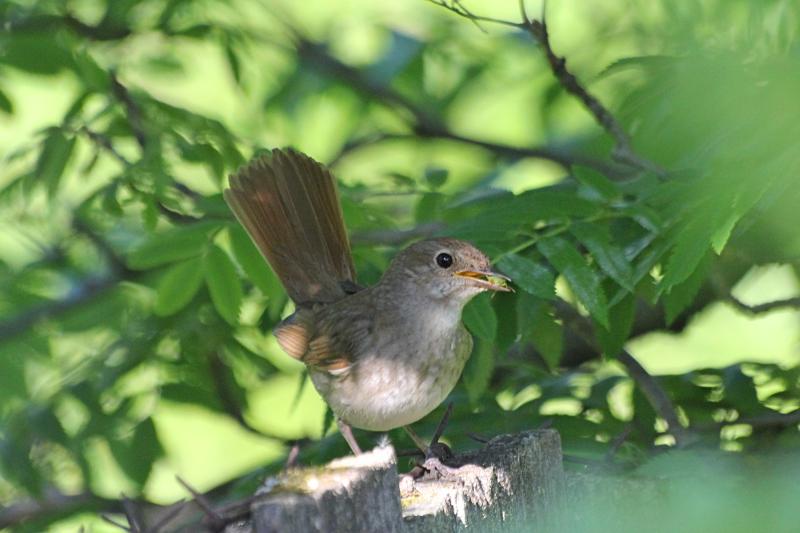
382,356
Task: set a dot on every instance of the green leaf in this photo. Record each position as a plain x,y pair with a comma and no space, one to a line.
178,286
436,176
428,207
136,454
583,280
538,325
532,277
609,257
254,264
56,152
596,181
478,370
172,245
680,296
5,104
613,338
223,284
480,319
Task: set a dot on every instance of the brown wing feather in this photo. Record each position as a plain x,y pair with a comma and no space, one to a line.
289,205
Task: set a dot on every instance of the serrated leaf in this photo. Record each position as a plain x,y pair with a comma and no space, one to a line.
223,284
608,256
691,245
478,370
596,181
169,246
680,296
532,277
720,237
178,286
613,338
480,319
582,279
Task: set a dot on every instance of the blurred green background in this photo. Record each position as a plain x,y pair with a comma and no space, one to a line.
135,314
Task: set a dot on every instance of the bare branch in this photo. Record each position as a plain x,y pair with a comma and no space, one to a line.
55,503
396,236
623,151
655,395
651,389
763,421
425,124
787,303
132,110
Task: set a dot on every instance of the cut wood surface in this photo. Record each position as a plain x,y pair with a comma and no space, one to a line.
513,482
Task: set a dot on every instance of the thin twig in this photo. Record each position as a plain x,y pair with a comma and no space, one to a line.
767,420
623,150
132,110
787,303
208,509
218,370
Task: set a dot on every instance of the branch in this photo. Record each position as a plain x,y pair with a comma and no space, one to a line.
55,503
655,395
623,151
427,125
399,236
767,420
651,389
80,294
132,110
788,303
218,372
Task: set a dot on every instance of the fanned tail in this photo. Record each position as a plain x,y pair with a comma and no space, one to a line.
289,205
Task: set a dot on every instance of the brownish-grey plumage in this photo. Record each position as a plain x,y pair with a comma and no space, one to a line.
383,356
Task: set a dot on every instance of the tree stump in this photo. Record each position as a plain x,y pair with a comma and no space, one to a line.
513,481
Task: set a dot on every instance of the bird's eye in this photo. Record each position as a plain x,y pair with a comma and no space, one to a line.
444,260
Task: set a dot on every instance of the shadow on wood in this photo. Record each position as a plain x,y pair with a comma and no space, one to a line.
514,482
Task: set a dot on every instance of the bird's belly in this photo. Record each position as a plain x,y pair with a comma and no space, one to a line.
382,393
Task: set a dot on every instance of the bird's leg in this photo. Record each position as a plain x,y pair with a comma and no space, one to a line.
435,452
347,433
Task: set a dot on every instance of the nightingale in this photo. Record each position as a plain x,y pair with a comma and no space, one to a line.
383,356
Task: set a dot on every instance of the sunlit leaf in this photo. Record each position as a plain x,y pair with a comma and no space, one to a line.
178,243
178,286
223,284
582,279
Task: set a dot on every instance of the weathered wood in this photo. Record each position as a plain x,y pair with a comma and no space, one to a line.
349,494
514,481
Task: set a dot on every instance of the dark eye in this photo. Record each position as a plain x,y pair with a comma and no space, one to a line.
444,260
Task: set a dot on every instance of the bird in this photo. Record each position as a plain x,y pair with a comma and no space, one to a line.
383,356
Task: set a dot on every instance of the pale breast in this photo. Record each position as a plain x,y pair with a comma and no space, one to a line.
397,380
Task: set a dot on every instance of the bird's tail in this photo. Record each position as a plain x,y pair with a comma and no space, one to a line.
289,205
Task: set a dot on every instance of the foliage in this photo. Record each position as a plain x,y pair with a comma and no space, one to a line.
127,283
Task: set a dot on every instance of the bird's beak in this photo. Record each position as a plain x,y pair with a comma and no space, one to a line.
488,280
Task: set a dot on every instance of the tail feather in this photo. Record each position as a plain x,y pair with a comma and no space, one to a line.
289,205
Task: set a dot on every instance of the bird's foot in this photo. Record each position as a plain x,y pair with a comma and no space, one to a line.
436,454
